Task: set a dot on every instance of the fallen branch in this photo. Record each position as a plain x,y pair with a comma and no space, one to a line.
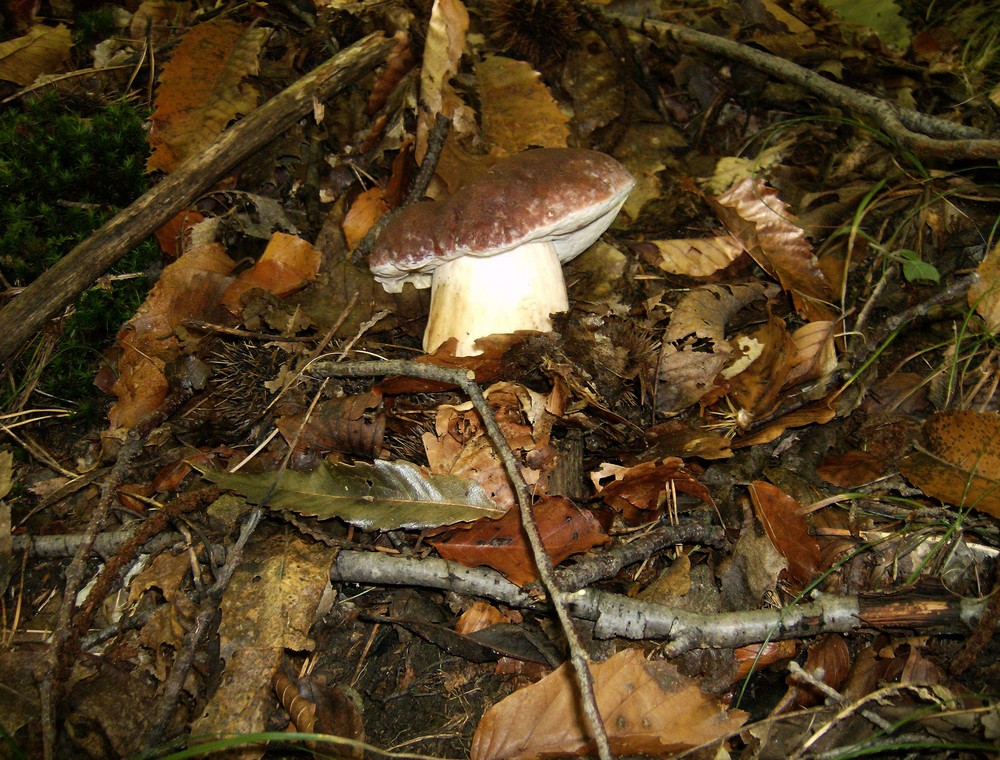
617,615
58,286
914,131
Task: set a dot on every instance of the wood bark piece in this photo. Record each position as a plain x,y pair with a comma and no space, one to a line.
57,287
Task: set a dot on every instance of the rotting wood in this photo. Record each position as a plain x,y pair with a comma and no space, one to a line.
58,286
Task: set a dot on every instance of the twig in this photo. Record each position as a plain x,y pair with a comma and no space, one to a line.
435,144
943,296
798,673
560,603
918,132
607,564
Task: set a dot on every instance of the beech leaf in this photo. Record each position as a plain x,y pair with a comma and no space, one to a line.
379,496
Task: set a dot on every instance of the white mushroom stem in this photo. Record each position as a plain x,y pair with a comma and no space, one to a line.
472,297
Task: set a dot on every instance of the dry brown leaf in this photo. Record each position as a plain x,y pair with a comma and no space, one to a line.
501,544
202,89
787,529
761,221
479,616
828,660
851,469
643,149
592,80
755,389
959,463
459,445
819,412
518,111
268,606
287,264
695,349
646,487
43,50
816,352
648,708
984,296
696,257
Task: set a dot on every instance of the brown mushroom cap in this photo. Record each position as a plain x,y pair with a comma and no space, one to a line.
564,196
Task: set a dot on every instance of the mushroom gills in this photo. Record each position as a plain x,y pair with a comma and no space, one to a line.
473,297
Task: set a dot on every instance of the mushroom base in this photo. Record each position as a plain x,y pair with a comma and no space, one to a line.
475,297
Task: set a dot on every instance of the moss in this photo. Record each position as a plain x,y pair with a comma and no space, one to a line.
62,175
93,26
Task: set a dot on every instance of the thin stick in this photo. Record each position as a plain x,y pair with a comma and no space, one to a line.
466,381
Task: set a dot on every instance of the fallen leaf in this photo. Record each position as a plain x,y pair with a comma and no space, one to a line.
696,257
501,544
518,111
648,708
959,463
787,529
379,496
443,49
984,296
366,210
43,50
189,288
646,487
851,469
287,264
202,89
755,215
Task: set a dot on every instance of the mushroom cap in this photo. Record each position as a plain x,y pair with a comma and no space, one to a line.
564,196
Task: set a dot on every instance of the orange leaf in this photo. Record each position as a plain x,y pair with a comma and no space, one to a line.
287,264
648,709
188,288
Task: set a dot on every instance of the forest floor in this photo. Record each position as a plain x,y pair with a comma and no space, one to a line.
243,513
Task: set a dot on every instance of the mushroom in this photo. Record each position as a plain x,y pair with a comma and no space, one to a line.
492,253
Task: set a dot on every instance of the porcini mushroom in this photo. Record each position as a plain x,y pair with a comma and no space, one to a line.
492,254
